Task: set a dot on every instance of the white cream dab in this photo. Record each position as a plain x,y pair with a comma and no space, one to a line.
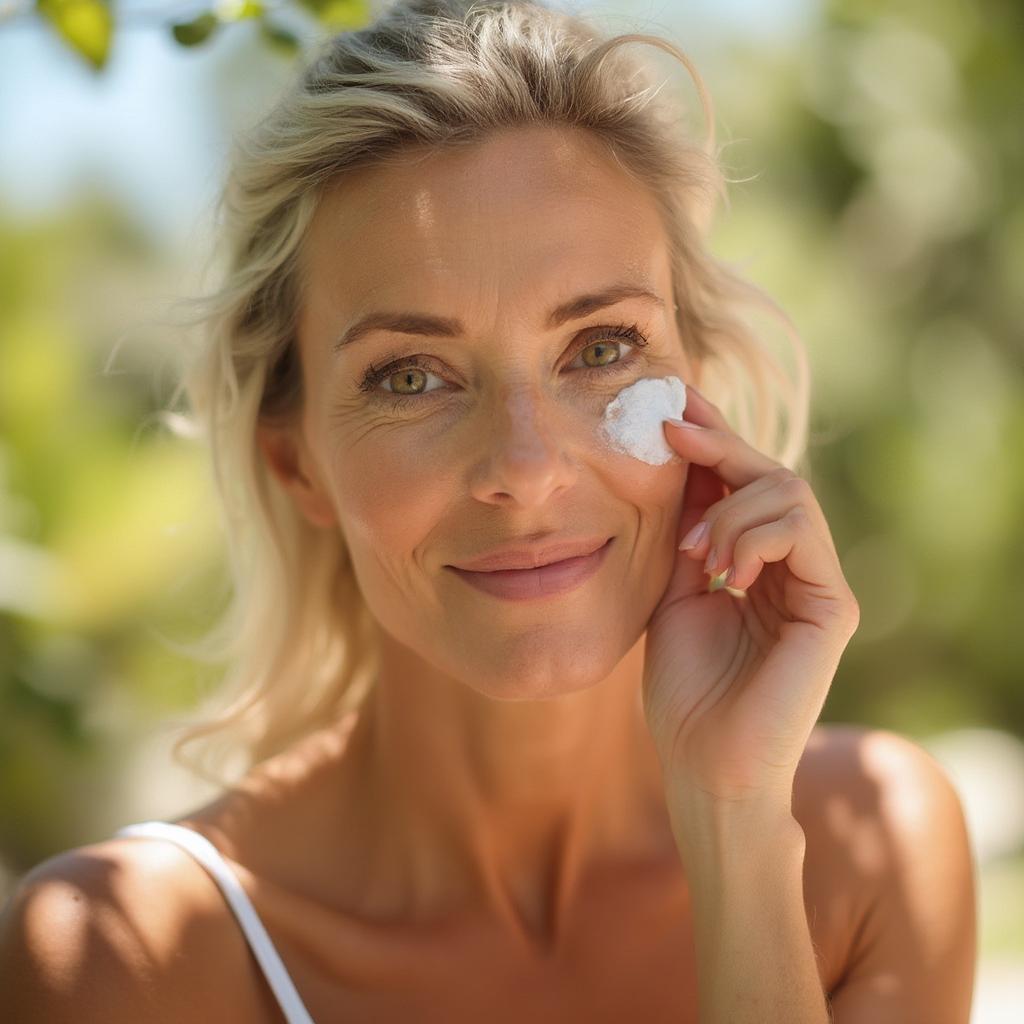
633,418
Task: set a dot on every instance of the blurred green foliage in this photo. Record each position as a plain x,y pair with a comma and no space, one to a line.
879,167
890,187
96,519
88,26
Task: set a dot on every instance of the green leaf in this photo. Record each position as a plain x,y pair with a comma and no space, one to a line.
281,38
87,26
340,14
239,10
191,33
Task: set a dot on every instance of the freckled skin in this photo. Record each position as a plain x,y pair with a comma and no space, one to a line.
501,771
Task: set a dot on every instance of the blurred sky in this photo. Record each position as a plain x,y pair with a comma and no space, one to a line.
144,130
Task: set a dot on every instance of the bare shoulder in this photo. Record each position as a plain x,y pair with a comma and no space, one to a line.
886,829
861,792
853,775
126,929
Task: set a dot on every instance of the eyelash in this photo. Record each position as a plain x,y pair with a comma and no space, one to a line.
629,333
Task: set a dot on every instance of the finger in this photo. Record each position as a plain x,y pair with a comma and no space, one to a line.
795,540
791,490
777,492
735,461
710,440
702,411
726,524
763,501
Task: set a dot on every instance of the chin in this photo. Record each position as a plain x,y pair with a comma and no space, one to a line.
553,670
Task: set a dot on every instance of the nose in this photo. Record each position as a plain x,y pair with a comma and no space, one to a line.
526,462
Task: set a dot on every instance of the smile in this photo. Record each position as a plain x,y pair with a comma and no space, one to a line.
544,581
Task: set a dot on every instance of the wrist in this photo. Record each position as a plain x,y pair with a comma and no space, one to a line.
713,832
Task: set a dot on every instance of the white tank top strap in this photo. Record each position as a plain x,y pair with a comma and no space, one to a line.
259,941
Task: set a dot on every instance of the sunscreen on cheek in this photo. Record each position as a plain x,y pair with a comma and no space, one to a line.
632,419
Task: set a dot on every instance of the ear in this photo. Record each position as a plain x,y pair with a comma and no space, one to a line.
288,459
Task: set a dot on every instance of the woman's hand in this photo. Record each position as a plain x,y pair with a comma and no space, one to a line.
734,682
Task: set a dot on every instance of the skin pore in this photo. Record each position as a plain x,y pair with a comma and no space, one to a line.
502,757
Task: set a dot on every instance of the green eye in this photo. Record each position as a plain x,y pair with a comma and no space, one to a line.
411,378
606,352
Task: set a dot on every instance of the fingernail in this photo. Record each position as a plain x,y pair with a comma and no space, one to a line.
694,537
684,423
711,560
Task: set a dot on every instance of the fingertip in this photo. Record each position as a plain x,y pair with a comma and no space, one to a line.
686,424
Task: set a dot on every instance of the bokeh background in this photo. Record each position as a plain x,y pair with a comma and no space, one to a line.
877,157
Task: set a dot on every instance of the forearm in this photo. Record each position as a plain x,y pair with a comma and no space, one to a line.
755,958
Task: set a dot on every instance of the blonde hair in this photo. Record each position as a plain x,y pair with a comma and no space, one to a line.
296,635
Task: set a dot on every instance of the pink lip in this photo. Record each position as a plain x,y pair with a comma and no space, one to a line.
545,581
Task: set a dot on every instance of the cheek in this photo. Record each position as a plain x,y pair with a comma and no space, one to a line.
655,493
670,490
389,490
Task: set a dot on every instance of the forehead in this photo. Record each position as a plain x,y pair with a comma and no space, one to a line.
519,219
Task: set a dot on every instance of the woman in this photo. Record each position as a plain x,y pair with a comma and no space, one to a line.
478,787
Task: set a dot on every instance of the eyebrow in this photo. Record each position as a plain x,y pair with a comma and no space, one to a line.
445,327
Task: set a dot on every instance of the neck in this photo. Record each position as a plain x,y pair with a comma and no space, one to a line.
507,804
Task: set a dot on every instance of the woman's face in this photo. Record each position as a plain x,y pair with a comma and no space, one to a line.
433,446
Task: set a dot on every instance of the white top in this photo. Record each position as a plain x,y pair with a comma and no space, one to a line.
259,941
